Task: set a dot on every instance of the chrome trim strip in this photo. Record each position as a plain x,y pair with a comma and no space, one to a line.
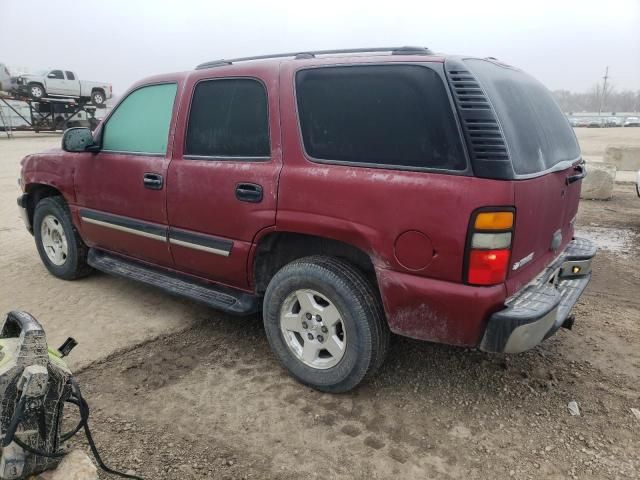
203,248
124,229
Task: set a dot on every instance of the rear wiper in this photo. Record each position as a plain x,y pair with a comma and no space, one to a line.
581,168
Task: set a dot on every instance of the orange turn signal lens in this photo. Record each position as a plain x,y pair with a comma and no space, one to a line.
494,221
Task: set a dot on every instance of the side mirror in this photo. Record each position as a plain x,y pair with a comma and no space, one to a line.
77,139
51,75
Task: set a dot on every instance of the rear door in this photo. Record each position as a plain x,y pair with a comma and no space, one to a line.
546,162
121,191
223,179
72,84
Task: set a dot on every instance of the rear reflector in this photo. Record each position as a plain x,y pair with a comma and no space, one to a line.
488,267
494,221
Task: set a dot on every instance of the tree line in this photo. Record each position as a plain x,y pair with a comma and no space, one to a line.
612,100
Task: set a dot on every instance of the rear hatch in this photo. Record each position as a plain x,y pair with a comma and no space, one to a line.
545,166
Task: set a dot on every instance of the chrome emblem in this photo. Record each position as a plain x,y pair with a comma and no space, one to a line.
523,261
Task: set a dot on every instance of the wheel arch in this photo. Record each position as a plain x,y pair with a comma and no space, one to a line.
275,249
38,191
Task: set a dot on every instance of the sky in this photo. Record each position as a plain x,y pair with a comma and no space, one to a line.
564,43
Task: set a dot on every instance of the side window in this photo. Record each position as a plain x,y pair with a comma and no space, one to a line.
228,118
388,115
140,123
57,74
70,75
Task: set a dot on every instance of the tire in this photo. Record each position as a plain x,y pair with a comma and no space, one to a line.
37,91
298,290
98,98
60,247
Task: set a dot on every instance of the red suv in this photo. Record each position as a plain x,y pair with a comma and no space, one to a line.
345,194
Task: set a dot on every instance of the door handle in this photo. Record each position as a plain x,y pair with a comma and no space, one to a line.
152,181
249,192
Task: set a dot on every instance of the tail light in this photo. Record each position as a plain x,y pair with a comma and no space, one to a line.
489,241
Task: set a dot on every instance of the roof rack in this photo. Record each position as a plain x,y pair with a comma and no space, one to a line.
313,53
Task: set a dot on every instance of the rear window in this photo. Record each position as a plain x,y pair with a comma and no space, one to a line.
537,132
390,115
229,118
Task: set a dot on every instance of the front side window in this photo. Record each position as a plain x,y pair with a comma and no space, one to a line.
70,75
228,118
381,115
57,74
140,123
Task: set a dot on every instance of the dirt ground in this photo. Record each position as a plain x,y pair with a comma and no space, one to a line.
182,392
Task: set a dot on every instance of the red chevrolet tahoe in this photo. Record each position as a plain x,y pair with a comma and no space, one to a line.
345,194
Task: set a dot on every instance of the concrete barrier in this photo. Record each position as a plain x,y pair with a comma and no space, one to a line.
598,184
624,157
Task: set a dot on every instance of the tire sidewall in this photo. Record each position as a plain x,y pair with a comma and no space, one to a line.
41,89
49,207
357,357
93,99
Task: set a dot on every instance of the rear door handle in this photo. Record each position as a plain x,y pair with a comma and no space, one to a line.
249,192
152,181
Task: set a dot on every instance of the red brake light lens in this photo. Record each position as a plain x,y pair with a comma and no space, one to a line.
488,267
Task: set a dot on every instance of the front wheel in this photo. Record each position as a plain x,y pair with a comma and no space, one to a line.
325,323
36,91
60,247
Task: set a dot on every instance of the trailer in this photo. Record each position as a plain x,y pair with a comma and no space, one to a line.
46,114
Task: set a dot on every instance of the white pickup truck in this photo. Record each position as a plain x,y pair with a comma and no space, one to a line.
63,83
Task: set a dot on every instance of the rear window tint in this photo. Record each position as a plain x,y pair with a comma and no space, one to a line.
391,115
537,132
229,118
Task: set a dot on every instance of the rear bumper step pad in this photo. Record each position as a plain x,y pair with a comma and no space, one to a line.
539,310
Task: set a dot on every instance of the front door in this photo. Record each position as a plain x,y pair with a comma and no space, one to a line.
223,179
121,191
56,84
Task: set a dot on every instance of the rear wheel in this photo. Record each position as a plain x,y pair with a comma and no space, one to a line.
325,323
60,247
98,98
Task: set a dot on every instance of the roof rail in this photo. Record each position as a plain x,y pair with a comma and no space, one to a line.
313,53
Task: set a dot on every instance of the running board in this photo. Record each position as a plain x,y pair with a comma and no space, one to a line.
221,298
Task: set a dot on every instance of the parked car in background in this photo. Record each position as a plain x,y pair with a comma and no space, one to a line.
595,123
632,122
344,196
63,83
582,122
613,122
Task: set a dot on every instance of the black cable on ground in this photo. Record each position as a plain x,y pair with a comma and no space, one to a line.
83,406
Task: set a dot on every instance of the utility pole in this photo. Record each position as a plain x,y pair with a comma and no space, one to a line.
604,90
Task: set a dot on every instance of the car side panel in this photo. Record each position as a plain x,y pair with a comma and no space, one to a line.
371,208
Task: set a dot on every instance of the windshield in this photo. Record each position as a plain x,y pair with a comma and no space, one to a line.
538,134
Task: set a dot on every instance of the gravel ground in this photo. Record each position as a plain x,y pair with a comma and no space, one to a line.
210,401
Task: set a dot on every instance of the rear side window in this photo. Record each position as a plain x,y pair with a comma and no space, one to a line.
140,123
390,115
70,75
537,132
228,118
